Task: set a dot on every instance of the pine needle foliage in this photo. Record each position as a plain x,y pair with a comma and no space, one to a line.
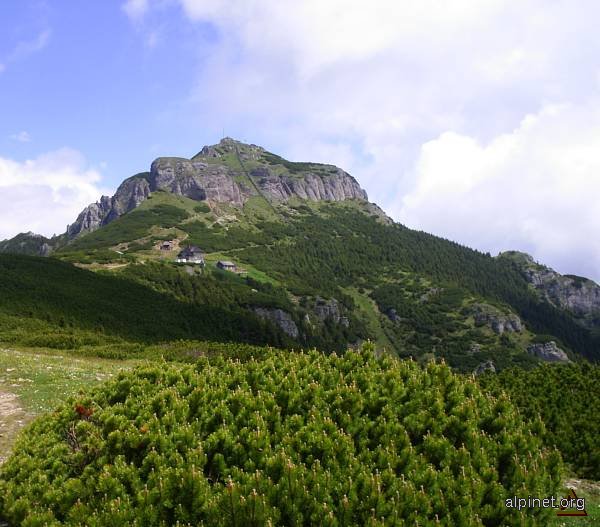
290,439
567,397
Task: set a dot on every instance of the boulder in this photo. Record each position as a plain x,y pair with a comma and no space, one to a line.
488,365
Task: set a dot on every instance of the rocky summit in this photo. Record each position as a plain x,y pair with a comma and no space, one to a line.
230,172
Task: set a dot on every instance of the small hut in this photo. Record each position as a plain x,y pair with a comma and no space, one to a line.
191,254
226,265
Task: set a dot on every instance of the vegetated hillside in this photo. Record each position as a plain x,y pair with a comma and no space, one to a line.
567,398
414,293
27,243
51,303
341,271
292,439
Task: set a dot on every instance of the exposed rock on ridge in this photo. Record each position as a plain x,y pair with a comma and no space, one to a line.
230,172
128,196
27,243
578,295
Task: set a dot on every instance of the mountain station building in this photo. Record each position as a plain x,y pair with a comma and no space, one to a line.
191,254
226,265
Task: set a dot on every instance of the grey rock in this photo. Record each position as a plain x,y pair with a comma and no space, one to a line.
488,365
579,295
499,322
280,318
204,178
128,196
337,186
548,352
196,180
329,309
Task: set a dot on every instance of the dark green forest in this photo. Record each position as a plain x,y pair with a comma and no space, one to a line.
567,399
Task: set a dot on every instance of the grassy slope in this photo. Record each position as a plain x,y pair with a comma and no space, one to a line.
316,248
37,381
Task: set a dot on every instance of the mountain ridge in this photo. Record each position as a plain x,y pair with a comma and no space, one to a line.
318,261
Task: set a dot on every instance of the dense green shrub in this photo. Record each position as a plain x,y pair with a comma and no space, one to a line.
110,305
291,439
129,227
567,397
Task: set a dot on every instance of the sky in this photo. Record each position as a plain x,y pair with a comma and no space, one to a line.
476,120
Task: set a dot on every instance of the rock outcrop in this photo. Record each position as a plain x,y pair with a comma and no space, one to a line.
548,352
28,243
128,196
335,185
576,294
498,322
488,365
280,318
230,172
330,309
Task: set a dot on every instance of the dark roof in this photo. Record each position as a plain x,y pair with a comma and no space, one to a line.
190,251
225,263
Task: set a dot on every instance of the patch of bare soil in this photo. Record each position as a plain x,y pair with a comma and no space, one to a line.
12,418
586,485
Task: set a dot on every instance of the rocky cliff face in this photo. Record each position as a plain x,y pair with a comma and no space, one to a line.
280,318
548,352
576,294
498,322
127,197
230,172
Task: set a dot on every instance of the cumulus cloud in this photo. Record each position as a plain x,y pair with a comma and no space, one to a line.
535,188
373,86
44,194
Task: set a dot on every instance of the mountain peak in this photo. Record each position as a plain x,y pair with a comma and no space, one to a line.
230,172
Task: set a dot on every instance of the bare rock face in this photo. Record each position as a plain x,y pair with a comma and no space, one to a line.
219,173
334,186
484,314
548,352
576,294
196,180
280,318
128,196
90,218
330,309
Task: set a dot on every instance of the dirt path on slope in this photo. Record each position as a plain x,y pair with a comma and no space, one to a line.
12,418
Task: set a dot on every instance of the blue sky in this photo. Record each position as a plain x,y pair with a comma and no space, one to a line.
478,120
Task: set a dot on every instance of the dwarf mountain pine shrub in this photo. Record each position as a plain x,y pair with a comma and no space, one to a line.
290,439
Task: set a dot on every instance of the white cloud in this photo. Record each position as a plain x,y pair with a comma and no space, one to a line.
535,188
136,9
22,137
43,195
